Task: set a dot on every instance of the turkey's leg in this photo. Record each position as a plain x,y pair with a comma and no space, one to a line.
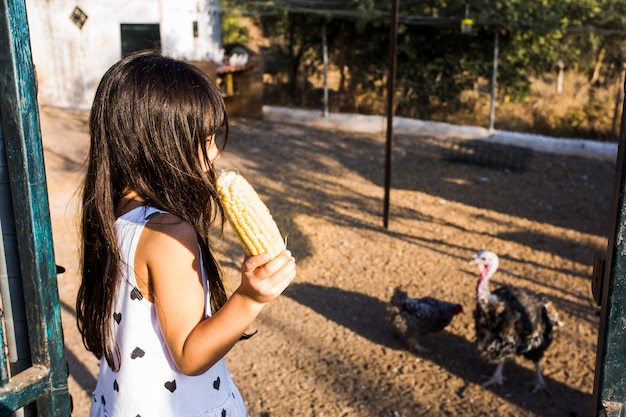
496,378
540,383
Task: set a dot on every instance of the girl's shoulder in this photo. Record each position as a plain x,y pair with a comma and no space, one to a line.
168,247
168,233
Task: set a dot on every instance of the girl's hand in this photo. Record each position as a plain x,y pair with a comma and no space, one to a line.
263,280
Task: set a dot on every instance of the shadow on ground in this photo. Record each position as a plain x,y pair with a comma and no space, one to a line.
365,316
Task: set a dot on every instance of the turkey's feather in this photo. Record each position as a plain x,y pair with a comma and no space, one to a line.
514,322
510,321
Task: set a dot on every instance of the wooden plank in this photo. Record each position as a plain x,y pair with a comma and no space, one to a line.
20,120
25,388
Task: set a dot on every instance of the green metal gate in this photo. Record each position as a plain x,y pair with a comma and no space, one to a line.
33,370
609,289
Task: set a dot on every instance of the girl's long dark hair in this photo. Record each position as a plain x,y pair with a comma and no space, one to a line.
150,116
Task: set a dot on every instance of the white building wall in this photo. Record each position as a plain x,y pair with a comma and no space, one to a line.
70,61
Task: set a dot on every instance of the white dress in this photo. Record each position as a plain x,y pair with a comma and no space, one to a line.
148,384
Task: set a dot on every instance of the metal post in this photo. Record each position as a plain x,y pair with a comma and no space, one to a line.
492,111
325,59
391,87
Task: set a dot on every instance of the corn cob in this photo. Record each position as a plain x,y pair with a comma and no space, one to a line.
248,215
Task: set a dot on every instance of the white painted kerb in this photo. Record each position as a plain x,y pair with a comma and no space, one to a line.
378,124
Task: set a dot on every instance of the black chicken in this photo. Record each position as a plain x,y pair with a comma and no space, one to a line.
411,318
510,321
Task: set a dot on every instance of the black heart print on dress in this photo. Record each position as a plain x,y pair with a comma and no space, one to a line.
135,294
115,386
117,317
216,383
223,413
137,353
170,385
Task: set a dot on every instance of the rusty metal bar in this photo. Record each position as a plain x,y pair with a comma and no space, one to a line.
391,87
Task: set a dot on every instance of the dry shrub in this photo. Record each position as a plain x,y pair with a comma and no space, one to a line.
578,111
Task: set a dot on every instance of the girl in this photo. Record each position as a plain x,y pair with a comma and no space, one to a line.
151,304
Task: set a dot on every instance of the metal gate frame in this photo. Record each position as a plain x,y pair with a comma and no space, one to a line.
609,289
44,380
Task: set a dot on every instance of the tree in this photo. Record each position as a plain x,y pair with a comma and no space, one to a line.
436,63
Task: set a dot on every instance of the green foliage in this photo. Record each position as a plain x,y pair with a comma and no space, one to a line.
594,25
435,61
232,30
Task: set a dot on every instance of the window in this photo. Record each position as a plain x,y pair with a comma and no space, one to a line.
139,37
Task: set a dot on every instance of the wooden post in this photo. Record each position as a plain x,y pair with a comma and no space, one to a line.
559,77
494,79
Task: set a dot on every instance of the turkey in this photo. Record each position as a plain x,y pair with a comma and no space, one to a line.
411,318
510,321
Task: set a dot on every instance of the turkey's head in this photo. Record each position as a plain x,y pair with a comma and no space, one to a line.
487,262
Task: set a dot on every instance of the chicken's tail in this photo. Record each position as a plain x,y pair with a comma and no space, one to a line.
399,296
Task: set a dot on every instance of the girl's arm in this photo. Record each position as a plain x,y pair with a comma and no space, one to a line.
172,260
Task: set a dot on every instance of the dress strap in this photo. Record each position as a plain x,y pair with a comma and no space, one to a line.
150,212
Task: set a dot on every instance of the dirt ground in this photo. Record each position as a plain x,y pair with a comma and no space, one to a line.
325,348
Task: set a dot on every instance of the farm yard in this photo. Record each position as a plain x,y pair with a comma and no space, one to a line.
325,348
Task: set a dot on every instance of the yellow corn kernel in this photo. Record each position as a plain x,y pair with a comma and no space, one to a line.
248,215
